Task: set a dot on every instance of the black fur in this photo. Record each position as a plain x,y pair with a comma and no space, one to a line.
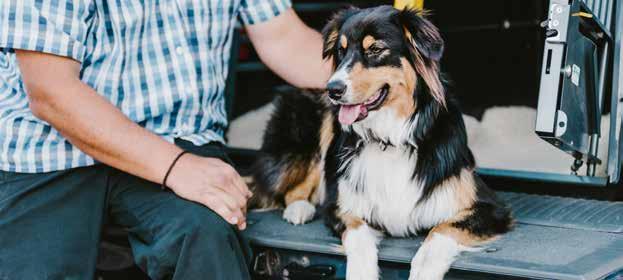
441,141
489,216
334,169
291,137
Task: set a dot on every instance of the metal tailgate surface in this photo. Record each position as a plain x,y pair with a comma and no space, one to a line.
531,250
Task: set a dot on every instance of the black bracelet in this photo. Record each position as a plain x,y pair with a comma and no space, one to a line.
166,176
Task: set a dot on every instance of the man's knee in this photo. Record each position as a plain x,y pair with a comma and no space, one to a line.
199,221
191,234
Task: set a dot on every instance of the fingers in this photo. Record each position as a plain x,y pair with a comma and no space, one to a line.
232,183
242,186
237,212
218,186
238,182
225,206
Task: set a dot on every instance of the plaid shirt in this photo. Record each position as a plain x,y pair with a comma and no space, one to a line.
162,62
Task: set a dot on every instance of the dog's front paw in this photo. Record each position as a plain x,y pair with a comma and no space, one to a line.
422,270
359,271
360,246
299,212
433,259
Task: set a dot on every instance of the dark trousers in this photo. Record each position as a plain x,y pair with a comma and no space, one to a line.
50,225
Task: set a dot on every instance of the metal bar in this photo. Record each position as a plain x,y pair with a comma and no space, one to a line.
318,7
591,165
603,11
606,17
594,144
611,5
544,177
230,82
615,145
495,26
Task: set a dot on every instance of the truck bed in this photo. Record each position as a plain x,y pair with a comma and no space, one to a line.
554,238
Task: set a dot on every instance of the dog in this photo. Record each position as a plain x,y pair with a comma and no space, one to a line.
383,150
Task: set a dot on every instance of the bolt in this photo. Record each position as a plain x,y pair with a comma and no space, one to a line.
491,250
566,71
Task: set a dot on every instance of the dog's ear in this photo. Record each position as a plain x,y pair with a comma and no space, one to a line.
331,31
421,33
425,48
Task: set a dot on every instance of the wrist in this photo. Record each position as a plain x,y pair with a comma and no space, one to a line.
173,164
181,171
160,161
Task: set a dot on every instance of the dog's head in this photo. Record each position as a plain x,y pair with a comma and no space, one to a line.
380,56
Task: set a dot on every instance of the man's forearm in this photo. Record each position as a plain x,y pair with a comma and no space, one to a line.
89,121
292,50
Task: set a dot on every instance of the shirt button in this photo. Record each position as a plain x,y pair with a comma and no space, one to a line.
179,50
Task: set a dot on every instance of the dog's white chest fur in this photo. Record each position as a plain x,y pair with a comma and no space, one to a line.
379,188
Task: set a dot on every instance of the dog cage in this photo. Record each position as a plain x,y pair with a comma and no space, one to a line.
574,85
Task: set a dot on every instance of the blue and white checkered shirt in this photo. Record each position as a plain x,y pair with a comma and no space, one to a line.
162,62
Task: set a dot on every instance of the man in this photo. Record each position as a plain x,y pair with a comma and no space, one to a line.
94,95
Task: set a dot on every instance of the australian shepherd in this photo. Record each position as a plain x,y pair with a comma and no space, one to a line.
383,150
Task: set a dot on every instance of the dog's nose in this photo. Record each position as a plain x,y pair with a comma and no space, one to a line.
336,89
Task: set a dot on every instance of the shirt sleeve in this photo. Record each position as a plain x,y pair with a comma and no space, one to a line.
57,27
256,11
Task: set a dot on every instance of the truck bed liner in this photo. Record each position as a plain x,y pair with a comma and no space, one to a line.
554,238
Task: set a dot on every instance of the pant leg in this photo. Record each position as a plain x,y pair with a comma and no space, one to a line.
175,238
50,223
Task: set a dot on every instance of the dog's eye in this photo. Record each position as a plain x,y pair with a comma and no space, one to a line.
375,50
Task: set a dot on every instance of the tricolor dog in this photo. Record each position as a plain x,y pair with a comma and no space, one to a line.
383,151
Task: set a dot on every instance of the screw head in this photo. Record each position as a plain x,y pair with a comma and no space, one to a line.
491,250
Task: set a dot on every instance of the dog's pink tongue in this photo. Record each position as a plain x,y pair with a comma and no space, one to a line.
349,113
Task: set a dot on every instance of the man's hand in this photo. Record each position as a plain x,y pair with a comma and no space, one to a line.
213,183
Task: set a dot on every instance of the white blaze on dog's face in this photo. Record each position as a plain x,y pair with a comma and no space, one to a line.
377,63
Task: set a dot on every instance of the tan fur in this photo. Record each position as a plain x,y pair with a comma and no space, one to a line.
331,39
343,42
464,188
401,96
294,174
351,222
307,188
304,189
367,81
431,78
408,34
428,73
326,136
462,237
367,42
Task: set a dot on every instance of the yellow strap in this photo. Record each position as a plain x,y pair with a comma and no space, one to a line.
401,4
582,14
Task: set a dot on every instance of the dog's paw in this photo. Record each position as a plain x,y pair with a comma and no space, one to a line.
299,212
433,259
360,246
361,272
363,266
421,270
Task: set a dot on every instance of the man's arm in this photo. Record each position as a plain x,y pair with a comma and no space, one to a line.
91,123
291,49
